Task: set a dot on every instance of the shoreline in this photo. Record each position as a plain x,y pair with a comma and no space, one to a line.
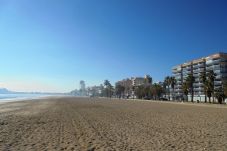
18,99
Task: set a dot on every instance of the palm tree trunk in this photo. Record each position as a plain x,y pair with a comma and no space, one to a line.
109,93
192,95
169,92
173,95
213,97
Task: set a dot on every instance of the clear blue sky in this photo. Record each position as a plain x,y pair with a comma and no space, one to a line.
50,45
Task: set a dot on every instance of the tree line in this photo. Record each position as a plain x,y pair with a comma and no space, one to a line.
147,90
167,88
207,79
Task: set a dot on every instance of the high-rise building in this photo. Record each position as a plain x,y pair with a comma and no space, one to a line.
82,85
82,88
216,62
137,81
131,83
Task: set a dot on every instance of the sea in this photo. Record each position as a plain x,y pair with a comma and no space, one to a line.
20,96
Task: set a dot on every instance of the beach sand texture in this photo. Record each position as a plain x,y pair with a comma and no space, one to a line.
88,124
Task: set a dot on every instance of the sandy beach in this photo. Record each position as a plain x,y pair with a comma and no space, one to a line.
102,124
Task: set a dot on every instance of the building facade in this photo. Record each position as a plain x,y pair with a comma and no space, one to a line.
94,91
216,62
127,84
82,88
131,83
137,81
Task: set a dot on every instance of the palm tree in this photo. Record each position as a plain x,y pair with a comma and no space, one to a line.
224,85
108,88
156,90
210,83
106,83
164,88
209,89
148,80
127,91
147,91
119,90
203,79
219,94
173,82
133,90
167,83
189,81
185,90
101,87
139,92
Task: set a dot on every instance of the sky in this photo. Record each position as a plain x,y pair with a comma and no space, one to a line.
50,45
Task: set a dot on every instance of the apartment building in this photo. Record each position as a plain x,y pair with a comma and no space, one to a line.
137,81
131,83
94,90
127,84
216,62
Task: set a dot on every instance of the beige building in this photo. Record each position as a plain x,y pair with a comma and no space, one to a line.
131,83
137,81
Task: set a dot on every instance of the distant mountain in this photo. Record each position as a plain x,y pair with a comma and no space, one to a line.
5,91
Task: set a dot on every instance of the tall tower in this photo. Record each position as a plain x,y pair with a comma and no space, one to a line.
82,88
82,85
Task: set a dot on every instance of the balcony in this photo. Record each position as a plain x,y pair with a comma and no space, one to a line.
223,70
212,62
177,74
217,71
178,90
186,72
217,82
197,84
218,77
197,80
198,66
213,68
217,61
195,67
177,87
209,68
189,69
178,80
197,89
199,70
196,71
196,75
179,84
209,62
216,67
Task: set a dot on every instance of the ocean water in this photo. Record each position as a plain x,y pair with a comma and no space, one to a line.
19,97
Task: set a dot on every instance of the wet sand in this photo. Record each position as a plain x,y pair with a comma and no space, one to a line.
102,124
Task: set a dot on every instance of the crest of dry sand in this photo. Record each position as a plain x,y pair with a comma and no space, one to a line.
103,124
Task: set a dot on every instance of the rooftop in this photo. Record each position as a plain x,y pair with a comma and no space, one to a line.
202,59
